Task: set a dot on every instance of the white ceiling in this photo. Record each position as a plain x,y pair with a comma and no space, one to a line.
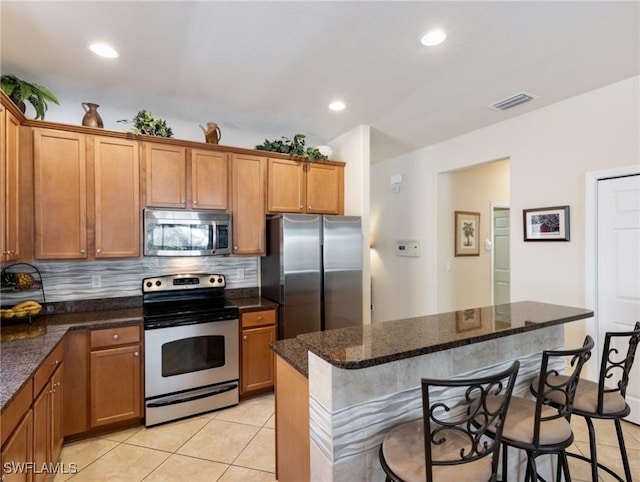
273,67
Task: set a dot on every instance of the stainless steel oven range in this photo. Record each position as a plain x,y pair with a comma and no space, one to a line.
191,346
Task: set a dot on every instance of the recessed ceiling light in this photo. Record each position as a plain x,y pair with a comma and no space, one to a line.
337,105
433,38
103,50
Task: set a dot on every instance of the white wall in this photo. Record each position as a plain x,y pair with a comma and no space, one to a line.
551,151
353,147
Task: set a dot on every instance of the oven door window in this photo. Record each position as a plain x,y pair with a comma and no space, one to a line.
192,354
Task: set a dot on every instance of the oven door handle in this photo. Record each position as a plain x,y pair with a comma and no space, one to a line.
188,398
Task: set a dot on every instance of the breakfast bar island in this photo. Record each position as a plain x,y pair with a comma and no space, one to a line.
338,392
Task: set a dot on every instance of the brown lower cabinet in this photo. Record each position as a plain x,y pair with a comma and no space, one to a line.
32,424
47,426
115,374
258,330
18,449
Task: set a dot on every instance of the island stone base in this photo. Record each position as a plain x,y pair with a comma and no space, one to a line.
350,411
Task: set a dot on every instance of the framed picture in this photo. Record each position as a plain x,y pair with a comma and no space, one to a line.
546,224
467,234
468,319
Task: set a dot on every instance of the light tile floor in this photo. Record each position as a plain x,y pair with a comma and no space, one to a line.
234,444
238,444
607,449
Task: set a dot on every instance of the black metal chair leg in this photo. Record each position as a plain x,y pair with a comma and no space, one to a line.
592,449
505,467
565,466
623,450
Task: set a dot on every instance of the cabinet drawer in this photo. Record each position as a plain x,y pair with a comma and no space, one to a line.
258,318
120,335
46,370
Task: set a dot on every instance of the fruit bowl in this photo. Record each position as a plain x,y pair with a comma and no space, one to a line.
22,310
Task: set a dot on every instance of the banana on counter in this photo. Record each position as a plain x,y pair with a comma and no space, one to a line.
22,309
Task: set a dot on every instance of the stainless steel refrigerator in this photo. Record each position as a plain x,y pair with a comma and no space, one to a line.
313,269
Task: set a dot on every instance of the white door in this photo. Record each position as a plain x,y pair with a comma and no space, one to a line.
618,291
501,258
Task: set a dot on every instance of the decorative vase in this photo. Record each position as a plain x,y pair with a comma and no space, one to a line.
91,117
212,134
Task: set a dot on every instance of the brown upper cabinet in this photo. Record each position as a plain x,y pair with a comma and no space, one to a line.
248,203
10,182
86,194
170,169
304,187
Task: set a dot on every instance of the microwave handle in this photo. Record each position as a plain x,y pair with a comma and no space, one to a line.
214,234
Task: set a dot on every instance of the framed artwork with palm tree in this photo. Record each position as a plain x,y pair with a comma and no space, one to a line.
467,233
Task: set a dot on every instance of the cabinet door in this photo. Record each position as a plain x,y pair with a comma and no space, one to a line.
60,194
18,450
57,436
42,430
248,203
286,191
257,358
325,189
115,385
209,179
117,198
10,187
75,378
165,170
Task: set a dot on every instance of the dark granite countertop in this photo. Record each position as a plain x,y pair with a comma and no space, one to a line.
378,343
294,352
24,346
253,303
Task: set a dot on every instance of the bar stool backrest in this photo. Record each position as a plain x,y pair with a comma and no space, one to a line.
561,390
613,368
465,417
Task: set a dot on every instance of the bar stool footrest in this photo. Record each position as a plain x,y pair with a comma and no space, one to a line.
600,466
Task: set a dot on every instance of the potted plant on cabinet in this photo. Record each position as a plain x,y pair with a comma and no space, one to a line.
294,147
145,123
19,91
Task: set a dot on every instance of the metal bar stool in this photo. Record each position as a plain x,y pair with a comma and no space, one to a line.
448,443
537,428
601,401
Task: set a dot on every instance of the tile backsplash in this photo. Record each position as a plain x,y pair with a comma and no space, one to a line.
82,280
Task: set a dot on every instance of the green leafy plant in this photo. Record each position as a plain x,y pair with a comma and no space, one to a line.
293,147
145,123
20,91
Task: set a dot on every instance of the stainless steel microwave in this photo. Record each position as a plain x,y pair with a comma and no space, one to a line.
186,233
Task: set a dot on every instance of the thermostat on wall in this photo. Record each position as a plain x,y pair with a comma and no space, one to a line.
408,247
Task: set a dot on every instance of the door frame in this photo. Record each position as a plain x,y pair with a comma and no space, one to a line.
494,205
591,253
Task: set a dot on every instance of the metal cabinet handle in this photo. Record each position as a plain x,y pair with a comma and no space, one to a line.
52,391
115,337
54,363
82,251
136,354
98,251
244,337
195,201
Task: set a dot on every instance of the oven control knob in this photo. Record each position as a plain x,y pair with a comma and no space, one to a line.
212,280
149,284
158,283
220,280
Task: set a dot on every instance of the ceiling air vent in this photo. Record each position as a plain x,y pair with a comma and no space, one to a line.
512,101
